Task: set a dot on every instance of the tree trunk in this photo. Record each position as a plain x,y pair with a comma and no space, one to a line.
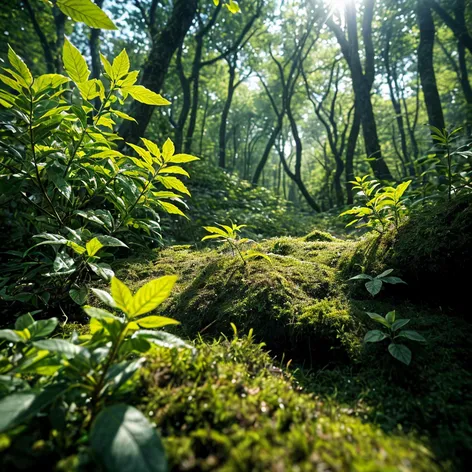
184,111
224,115
459,28
164,44
362,84
265,155
350,152
426,64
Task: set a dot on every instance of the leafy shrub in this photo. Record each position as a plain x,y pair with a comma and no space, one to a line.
66,387
431,250
229,234
448,167
395,333
63,179
383,206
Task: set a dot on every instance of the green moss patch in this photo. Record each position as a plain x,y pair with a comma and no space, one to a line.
229,408
294,304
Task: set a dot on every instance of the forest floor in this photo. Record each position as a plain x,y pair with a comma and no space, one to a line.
281,380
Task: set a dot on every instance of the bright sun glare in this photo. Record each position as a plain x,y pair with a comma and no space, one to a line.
338,5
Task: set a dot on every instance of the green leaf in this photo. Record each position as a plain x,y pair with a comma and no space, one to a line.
93,246
182,158
18,64
88,89
374,286
361,277
172,209
390,317
10,335
42,328
162,338
150,322
233,6
99,313
121,295
399,324
110,241
105,297
78,294
393,280
174,183
124,440
123,115
87,12
400,190
120,373
374,336
103,270
74,63
23,322
251,254
385,273
46,81
151,295
144,95
380,319
120,65
400,352
174,170
412,335
60,346
18,407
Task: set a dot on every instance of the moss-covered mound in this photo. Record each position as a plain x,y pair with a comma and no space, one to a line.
293,303
228,408
432,252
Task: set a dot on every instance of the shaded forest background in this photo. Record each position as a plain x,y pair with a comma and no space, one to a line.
294,96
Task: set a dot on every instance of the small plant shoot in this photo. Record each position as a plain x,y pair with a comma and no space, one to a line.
392,331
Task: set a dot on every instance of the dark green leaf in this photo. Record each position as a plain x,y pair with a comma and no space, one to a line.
60,346
18,407
412,335
24,321
125,441
400,352
399,324
374,336
42,328
374,286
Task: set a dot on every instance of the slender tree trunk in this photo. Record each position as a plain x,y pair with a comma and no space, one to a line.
362,83
94,45
186,99
165,42
225,113
459,28
60,23
459,12
46,46
265,155
426,64
350,152
202,132
195,94
393,89
297,175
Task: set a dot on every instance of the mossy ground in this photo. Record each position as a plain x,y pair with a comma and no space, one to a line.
229,408
296,389
359,409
